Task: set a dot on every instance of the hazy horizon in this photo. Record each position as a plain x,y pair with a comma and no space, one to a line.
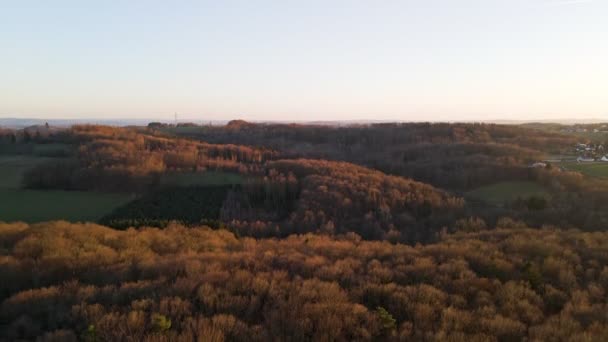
319,61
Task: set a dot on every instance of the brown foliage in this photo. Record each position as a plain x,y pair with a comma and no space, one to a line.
65,281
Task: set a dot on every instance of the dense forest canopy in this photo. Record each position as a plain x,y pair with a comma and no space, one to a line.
66,281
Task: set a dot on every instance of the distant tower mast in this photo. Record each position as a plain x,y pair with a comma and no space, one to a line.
175,115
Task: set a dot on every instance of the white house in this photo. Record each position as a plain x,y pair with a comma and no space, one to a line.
538,165
584,159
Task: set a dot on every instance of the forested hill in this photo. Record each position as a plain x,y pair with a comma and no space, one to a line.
274,196
454,156
274,187
499,169
119,159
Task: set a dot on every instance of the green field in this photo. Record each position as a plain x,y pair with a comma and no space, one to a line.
502,192
201,178
595,169
52,150
17,204
33,150
45,205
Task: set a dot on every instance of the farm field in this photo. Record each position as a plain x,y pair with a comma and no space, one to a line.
595,169
502,192
33,150
51,150
44,205
18,204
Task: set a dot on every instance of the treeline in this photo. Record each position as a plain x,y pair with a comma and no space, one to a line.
7,136
594,133
66,282
36,140
454,156
130,159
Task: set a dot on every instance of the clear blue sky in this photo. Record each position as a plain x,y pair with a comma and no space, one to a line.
305,60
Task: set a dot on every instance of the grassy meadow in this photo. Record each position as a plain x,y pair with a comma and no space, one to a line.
46,205
502,192
595,169
18,204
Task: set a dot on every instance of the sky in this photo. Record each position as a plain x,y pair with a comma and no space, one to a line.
419,60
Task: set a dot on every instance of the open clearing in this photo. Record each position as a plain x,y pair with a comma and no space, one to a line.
42,205
502,192
26,205
595,169
45,205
